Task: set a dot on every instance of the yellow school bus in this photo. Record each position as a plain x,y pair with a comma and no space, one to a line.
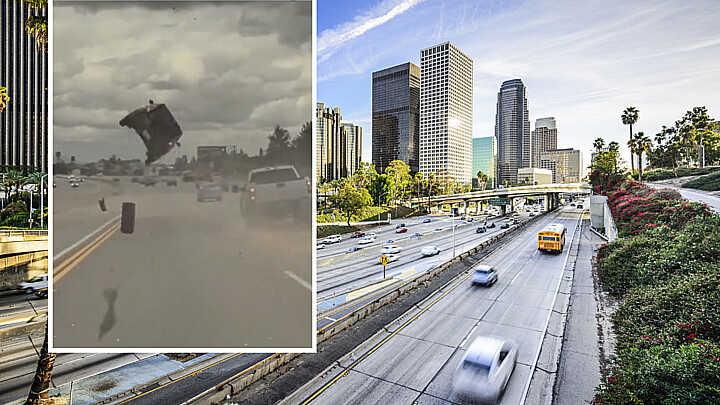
552,238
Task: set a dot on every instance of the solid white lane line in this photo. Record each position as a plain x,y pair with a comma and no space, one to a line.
298,279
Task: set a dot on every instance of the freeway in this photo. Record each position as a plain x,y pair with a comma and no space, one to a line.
414,361
357,270
15,305
192,275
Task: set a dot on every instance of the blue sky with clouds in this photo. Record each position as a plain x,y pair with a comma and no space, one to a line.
583,62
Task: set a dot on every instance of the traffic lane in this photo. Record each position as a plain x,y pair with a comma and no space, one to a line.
186,276
424,357
711,200
20,303
349,275
77,213
180,390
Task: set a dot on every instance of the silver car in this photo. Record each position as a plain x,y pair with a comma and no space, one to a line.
484,275
485,369
209,192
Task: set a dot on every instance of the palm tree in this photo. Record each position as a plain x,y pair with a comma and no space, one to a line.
482,179
598,144
629,117
642,144
37,26
3,98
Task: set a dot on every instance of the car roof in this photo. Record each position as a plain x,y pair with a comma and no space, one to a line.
483,350
483,267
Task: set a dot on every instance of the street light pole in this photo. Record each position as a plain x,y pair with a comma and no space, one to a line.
379,199
453,227
42,206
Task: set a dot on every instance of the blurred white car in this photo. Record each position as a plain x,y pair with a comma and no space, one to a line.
34,284
319,245
332,239
366,240
370,235
391,249
430,251
485,369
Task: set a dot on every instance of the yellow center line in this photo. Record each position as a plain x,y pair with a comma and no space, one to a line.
179,379
66,266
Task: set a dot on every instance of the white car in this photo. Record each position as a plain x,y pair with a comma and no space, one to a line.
366,240
36,283
320,245
430,251
370,235
393,249
332,239
485,369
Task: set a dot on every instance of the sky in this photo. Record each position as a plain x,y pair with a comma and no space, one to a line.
228,71
583,62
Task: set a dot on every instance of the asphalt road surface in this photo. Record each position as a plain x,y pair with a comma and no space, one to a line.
413,362
712,200
192,275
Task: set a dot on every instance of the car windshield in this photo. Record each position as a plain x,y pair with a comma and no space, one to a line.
274,176
35,279
482,272
480,370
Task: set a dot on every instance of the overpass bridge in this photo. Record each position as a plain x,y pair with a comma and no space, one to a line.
549,192
23,254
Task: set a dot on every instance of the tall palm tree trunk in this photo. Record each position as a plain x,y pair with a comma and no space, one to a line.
632,160
41,383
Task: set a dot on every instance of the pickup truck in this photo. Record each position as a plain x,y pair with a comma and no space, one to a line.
276,192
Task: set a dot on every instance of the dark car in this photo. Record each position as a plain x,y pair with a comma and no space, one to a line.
357,234
532,215
426,221
481,229
400,226
492,225
353,249
515,221
504,225
507,216
415,235
156,127
579,206
470,219
41,293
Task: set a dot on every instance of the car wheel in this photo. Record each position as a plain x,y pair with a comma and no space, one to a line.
28,290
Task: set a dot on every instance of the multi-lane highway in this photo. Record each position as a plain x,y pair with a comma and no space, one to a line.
414,361
192,275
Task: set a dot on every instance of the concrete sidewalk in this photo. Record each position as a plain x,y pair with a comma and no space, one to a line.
579,369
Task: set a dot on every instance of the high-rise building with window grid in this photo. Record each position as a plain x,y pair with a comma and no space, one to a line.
566,165
512,130
24,72
544,138
338,146
396,116
446,107
484,159
353,146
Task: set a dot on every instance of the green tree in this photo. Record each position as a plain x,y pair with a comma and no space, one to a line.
279,143
629,117
303,142
381,189
399,173
482,179
641,144
352,200
598,144
364,174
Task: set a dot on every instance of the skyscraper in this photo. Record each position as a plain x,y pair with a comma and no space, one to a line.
353,146
24,72
512,130
338,146
544,138
446,112
396,116
566,165
484,158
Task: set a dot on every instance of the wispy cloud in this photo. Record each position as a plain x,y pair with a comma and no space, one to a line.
330,40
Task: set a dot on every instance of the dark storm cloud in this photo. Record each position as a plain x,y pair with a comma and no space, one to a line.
224,84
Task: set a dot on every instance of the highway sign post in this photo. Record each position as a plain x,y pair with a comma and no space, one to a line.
499,201
384,260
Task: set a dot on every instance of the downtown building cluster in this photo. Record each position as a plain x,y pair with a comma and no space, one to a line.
423,116
24,72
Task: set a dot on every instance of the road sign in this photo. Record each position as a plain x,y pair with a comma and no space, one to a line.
384,260
499,201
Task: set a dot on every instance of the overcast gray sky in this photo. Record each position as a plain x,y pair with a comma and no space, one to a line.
229,72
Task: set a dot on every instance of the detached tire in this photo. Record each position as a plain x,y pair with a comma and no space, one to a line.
127,220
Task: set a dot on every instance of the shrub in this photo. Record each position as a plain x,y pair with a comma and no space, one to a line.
710,182
19,220
13,209
689,375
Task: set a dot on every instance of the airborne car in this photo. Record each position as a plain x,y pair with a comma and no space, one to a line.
156,127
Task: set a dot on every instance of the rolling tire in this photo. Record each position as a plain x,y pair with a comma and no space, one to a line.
127,221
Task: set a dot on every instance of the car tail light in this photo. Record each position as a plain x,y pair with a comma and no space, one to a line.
252,192
309,185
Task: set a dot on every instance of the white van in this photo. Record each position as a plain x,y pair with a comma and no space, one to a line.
36,283
332,239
